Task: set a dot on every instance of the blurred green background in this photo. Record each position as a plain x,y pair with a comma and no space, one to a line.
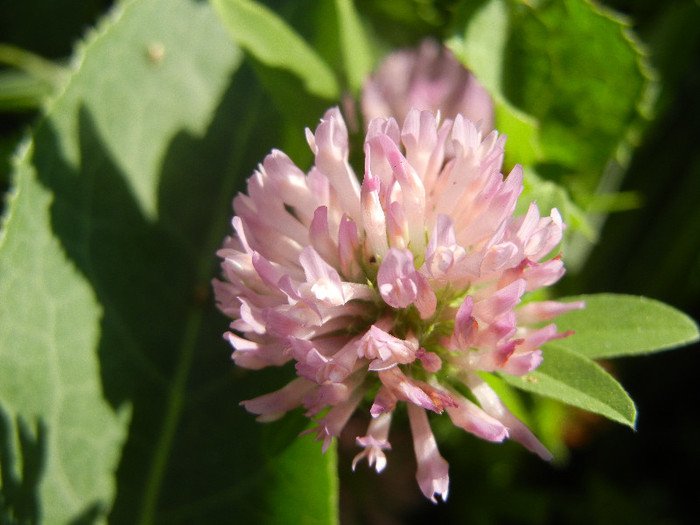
613,475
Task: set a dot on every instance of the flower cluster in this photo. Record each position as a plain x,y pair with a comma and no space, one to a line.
428,77
396,289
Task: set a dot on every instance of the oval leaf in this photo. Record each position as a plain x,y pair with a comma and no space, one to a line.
577,381
615,325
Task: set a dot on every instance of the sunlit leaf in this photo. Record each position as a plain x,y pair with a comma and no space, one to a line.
262,33
582,100
355,48
122,198
574,379
614,325
49,328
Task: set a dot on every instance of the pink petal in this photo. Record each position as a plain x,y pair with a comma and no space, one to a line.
405,389
395,278
474,420
430,360
426,301
400,285
330,146
348,246
431,474
324,281
320,237
500,302
375,442
492,405
385,349
442,252
373,218
274,405
384,401
331,425
466,326
536,312
256,355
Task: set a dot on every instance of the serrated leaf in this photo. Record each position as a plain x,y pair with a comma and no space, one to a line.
263,34
574,379
586,97
49,331
614,325
120,203
581,100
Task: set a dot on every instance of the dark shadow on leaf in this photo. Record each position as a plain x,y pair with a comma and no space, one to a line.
104,233
19,493
91,515
152,279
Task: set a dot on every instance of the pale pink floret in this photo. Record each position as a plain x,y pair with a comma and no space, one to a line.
375,442
492,405
432,475
442,253
380,285
273,406
331,424
385,350
401,285
473,419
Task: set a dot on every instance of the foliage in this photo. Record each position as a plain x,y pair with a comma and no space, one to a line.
117,397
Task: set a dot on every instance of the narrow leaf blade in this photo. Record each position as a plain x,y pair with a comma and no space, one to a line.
270,40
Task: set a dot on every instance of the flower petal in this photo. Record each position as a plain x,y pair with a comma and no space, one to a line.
432,474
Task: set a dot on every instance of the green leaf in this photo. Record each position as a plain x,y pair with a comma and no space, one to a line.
30,81
20,91
614,325
305,492
523,146
567,106
34,65
480,41
263,34
586,96
121,199
20,445
574,379
49,332
355,47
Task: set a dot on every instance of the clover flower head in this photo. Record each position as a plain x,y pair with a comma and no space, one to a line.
430,78
394,290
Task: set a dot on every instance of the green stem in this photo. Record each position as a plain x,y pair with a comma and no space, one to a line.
175,402
34,65
176,393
